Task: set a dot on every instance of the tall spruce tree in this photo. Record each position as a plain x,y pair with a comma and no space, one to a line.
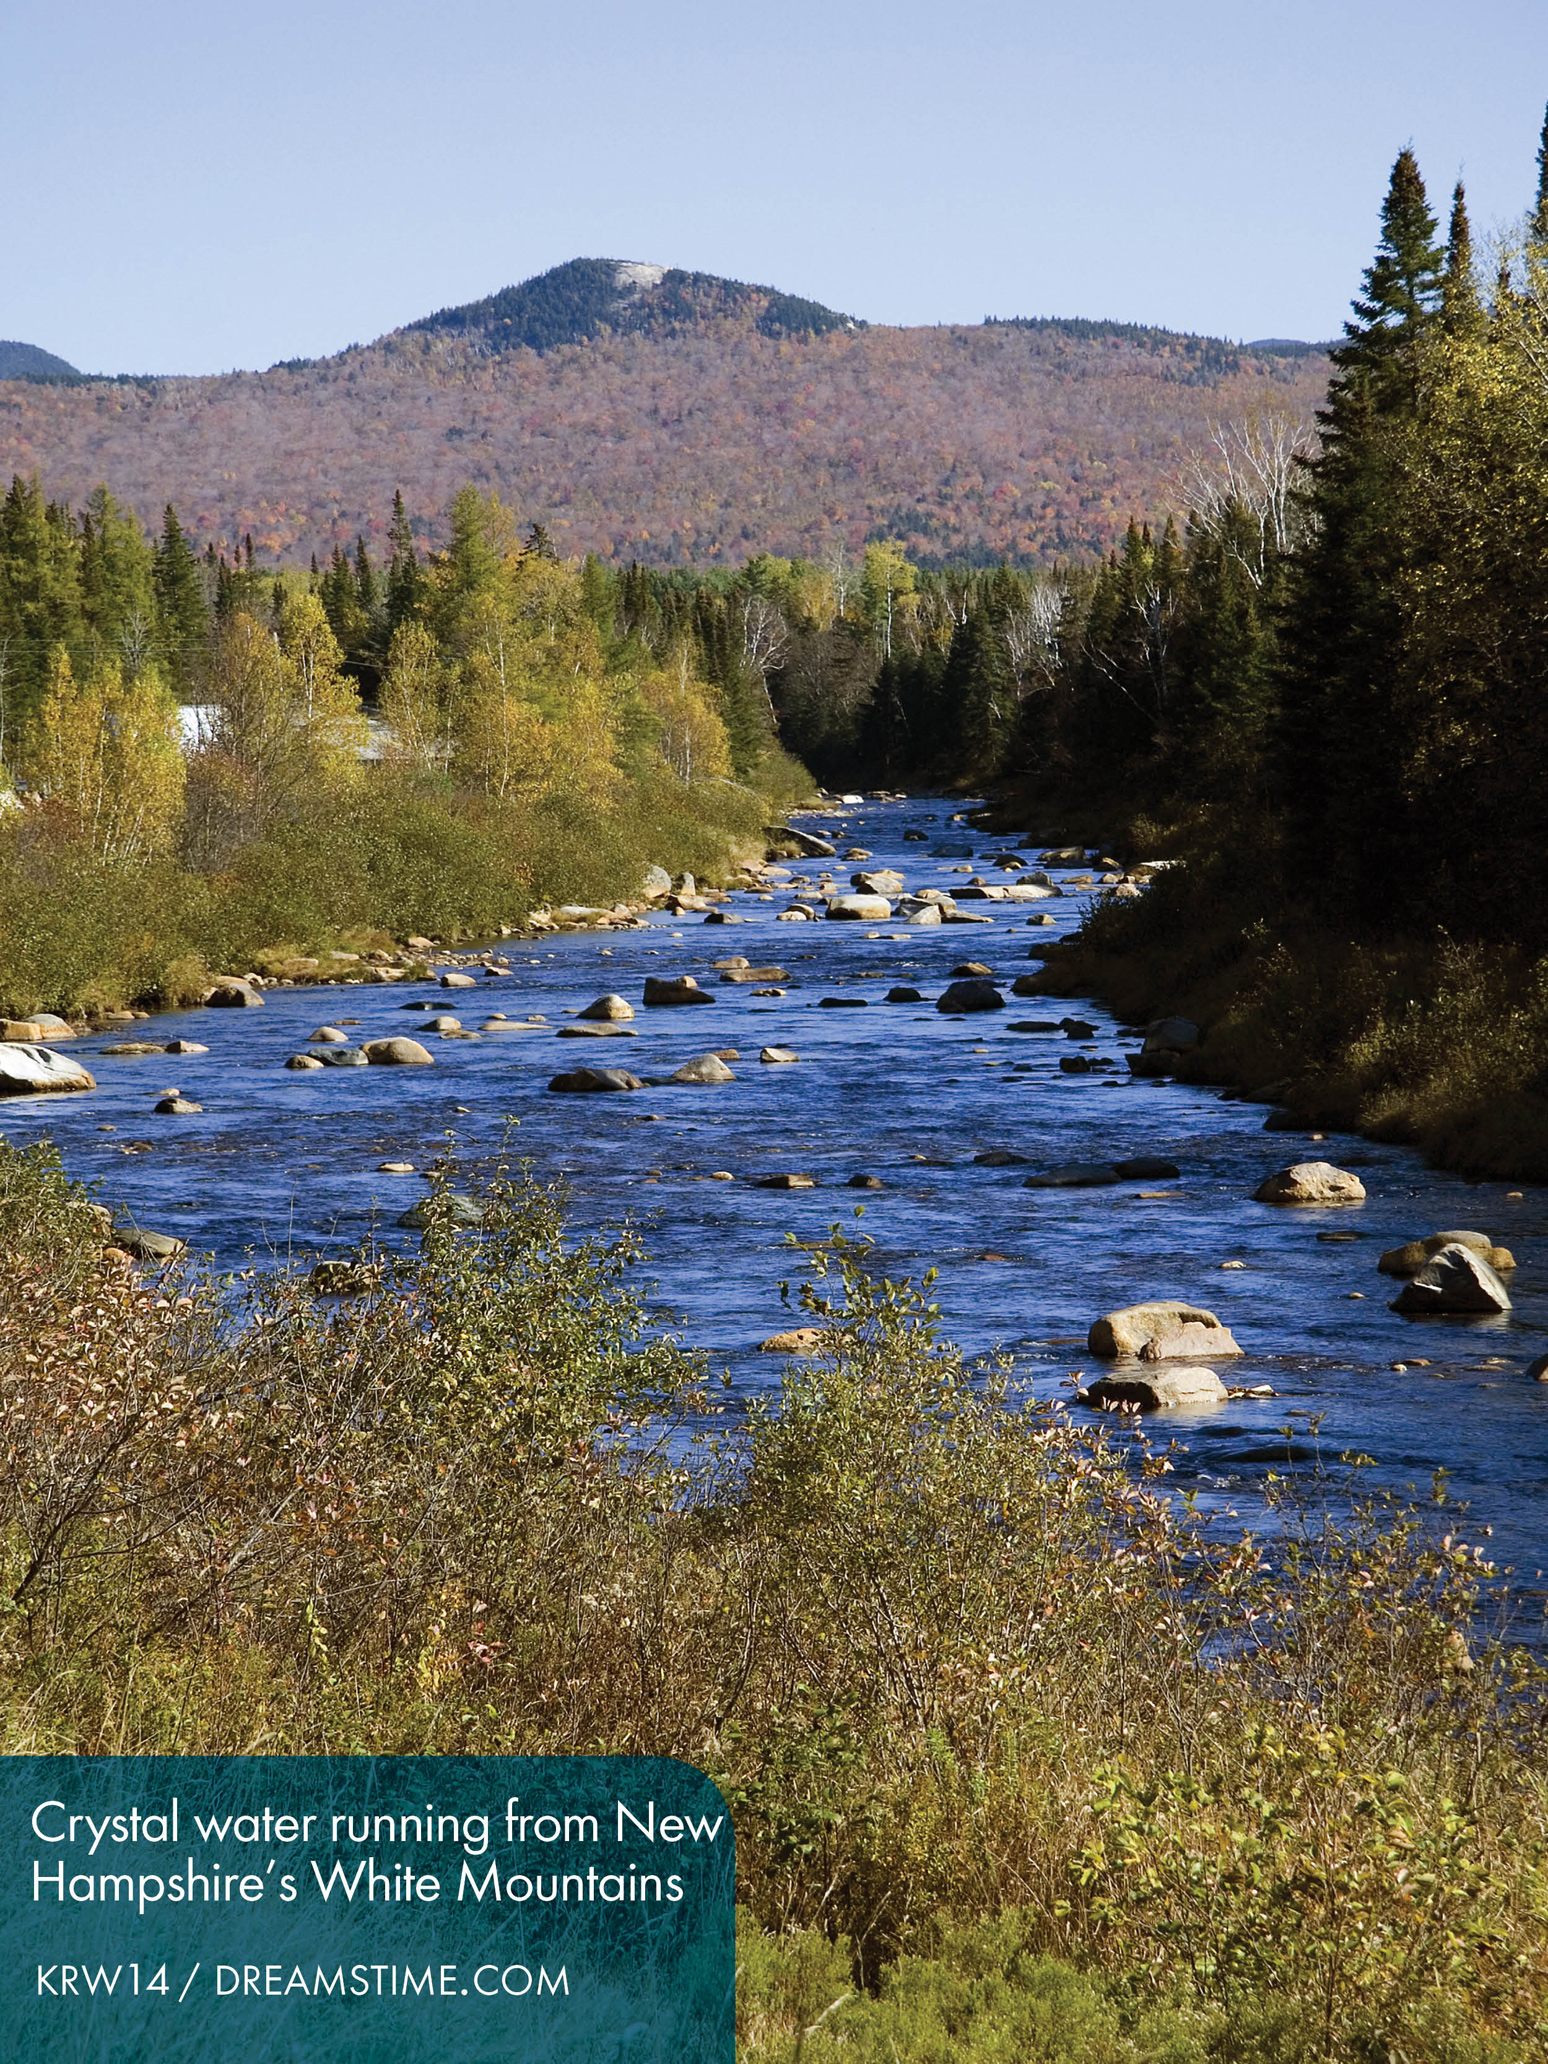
184,620
405,575
1339,755
1461,309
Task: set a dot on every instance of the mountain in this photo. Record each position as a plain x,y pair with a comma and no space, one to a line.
29,362
593,297
643,412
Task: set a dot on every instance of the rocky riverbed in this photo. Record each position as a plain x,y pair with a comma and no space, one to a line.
1006,1141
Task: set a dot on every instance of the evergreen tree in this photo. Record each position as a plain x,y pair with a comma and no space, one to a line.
183,617
1461,310
1338,756
1539,229
405,574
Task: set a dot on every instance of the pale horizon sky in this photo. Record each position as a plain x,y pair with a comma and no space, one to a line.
194,190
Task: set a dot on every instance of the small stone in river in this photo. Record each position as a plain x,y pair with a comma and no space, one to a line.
1147,1168
1233,1264
785,1182
1077,1028
457,980
841,1003
999,1157
395,1167
586,1080
801,1340
301,1060
185,1046
172,1105
1410,1259
865,1182
779,1055
328,1035
1074,1064
903,994
678,989
1538,1370
721,1175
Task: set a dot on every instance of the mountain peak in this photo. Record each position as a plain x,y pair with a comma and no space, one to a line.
30,362
588,297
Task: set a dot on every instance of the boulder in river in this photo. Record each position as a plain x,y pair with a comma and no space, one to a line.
655,883
231,993
584,1081
1030,985
300,1061
343,1057
972,968
865,909
457,1210
1310,1182
146,1246
745,974
800,1340
328,1035
881,881
1456,1279
663,989
184,1046
454,978
1146,1168
903,994
779,1056
970,996
1410,1259
581,1031
443,1021
28,1070
926,914
1000,1157
785,1182
397,1053
172,1105
705,1068
951,849
862,1181
1075,1175
1160,1332
1064,856
1157,1389
1077,1028
804,842
611,1009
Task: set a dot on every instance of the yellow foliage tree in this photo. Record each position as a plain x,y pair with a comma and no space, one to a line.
691,737
105,756
416,701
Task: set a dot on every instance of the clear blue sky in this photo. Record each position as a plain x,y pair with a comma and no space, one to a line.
192,188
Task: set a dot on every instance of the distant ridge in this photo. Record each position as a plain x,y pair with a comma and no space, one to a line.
30,362
578,301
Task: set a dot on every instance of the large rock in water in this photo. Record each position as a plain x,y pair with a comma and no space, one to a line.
1455,1280
970,996
1167,1331
234,994
868,909
675,989
37,1070
1152,1392
1410,1259
1311,1182
613,1010
804,842
655,882
882,881
706,1068
397,1053
581,1081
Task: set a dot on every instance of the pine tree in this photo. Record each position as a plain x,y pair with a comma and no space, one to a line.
405,574
1539,228
184,621
1339,761
1461,309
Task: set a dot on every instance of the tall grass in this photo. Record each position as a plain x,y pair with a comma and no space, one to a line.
1019,1752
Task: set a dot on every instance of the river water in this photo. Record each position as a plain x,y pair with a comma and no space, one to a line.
287,1163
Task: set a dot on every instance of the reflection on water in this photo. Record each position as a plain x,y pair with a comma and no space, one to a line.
286,1163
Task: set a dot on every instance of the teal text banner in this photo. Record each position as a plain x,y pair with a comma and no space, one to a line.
365,1910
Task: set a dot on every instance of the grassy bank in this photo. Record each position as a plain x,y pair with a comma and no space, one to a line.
1431,1041
79,930
1022,1756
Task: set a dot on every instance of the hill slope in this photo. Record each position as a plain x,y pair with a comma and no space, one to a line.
674,418
31,362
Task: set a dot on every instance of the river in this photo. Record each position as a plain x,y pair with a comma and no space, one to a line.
287,1163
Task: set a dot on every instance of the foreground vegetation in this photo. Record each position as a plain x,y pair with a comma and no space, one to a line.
1024,1759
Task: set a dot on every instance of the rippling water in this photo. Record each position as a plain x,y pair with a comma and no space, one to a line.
288,1161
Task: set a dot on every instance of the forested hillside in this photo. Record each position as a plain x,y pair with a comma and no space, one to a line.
704,423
